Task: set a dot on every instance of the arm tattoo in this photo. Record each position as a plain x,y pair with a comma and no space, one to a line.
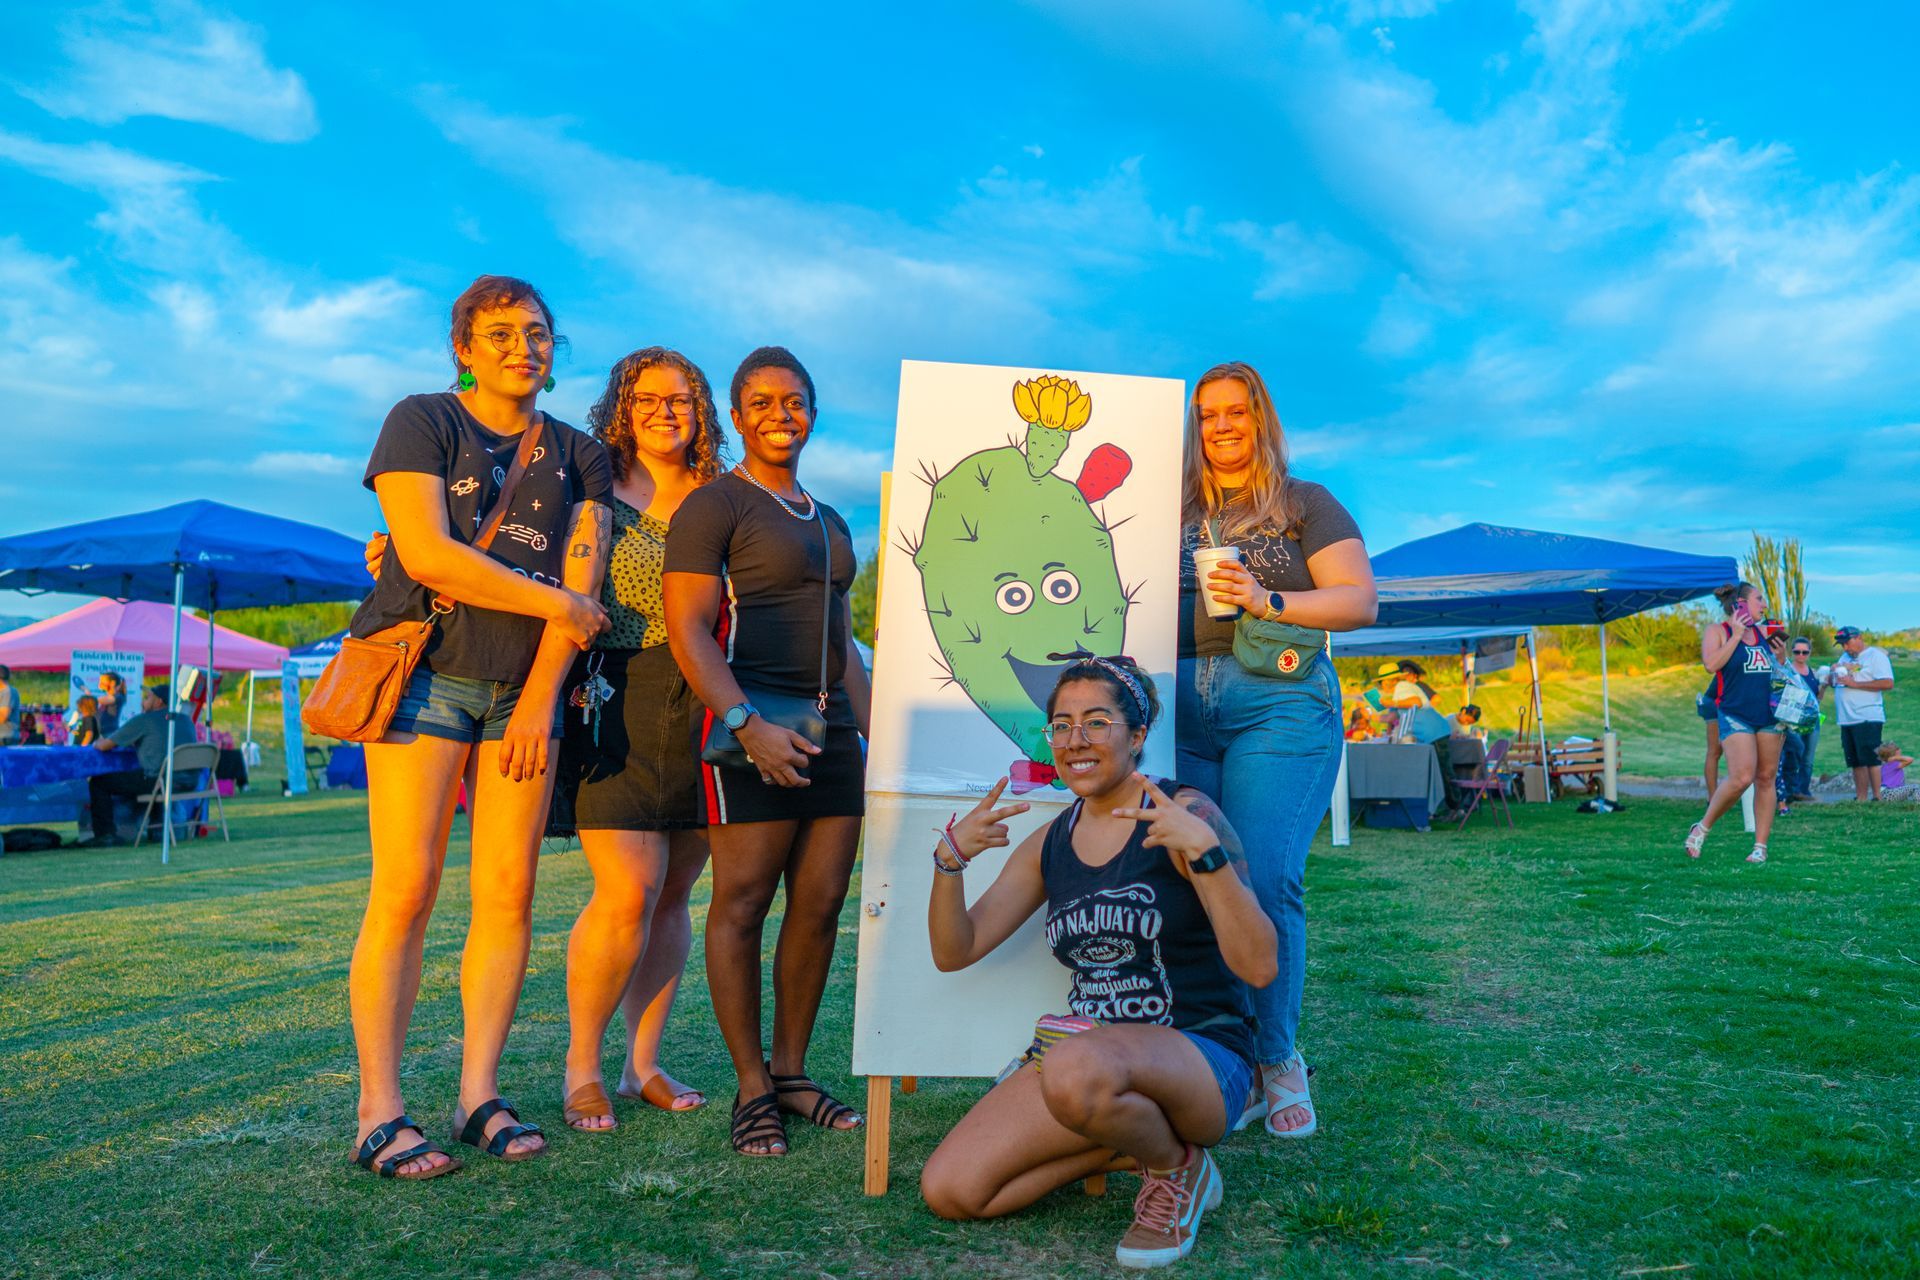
1204,808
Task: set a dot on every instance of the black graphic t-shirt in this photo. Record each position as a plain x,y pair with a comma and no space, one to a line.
1276,561
1137,940
774,569
435,435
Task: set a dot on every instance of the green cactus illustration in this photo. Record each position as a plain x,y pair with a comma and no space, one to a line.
1015,564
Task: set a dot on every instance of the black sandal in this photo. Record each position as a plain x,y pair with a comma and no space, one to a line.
474,1132
827,1110
389,1167
758,1121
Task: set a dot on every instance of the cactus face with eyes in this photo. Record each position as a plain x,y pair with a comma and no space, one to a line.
1015,564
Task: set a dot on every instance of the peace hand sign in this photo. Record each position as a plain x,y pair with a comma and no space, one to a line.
985,827
1170,825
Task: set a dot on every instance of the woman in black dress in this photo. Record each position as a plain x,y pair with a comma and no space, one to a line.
757,574
629,767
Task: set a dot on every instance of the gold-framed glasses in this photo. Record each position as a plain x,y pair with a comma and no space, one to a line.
1093,731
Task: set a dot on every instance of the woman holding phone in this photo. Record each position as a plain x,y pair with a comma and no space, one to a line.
453,471
1265,747
1751,740
756,582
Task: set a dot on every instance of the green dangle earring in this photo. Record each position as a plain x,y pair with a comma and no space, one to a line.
465,382
549,385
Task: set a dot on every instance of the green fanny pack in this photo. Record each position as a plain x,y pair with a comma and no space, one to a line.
1277,649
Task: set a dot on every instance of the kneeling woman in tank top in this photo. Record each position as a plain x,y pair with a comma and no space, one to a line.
1148,906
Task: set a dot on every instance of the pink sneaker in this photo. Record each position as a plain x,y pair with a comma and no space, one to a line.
1167,1212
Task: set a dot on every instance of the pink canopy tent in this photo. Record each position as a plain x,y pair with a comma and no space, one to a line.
135,626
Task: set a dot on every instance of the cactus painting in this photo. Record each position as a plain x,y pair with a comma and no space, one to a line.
1017,564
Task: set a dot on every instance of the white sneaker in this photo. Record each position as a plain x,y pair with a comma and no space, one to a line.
1167,1212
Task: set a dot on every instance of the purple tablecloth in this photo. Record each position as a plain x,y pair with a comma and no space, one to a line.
35,766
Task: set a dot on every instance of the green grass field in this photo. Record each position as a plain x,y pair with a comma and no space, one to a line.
1560,1050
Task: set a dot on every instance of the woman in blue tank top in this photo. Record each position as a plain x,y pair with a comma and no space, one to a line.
1743,697
1148,906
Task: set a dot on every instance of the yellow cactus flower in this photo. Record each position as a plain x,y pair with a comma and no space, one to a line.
1052,401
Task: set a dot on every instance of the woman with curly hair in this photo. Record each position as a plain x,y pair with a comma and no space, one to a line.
628,761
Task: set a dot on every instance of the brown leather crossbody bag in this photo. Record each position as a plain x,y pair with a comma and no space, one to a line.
356,696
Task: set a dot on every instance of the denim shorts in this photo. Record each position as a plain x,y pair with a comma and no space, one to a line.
460,709
1233,1073
1730,725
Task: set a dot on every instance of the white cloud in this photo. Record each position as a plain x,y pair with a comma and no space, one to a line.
1296,262
343,315
180,62
844,475
288,463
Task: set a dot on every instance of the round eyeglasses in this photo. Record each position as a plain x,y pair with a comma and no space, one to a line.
1093,731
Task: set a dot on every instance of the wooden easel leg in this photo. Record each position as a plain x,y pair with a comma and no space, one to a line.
909,1084
879,1121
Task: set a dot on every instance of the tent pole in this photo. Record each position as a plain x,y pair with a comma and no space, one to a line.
250,682
1539,712
173,694
210,613
1609,743
1606,702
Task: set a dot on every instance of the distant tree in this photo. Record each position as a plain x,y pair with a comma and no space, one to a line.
864,598
1762,568
1793,581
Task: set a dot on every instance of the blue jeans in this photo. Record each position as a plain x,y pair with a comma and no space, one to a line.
1796,764
1267,750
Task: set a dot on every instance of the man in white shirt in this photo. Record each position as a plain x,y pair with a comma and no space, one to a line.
1861,679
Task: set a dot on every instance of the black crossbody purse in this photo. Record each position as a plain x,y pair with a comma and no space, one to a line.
803,715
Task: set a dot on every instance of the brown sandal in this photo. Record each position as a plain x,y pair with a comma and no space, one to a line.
589,1102
657,1092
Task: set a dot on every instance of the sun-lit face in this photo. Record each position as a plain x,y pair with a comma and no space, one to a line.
1226,425
1756,602
511,350
775,416
662,413
1083,709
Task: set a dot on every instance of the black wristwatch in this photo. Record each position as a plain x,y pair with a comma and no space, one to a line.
738,715
1212,860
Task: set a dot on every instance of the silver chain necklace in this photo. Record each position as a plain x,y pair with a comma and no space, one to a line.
813,508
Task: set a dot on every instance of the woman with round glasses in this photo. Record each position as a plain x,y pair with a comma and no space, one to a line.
629,770
483,704
756,581
1266,747
1149,907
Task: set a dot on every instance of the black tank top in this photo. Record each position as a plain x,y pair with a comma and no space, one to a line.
1138,941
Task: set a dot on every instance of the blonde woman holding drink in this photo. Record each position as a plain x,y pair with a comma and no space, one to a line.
1265,744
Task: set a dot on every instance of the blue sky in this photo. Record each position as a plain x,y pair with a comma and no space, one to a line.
1620,267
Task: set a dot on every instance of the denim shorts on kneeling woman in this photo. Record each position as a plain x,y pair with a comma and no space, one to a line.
460,709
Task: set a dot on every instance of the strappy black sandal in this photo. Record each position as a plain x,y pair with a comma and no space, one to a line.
758,1121
827,1111
389,1167
474,1132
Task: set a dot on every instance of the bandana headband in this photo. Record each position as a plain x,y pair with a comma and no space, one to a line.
1128,682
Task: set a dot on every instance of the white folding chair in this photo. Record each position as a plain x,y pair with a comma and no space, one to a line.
188,759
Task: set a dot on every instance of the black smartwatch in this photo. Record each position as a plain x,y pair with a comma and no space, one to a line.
1212,860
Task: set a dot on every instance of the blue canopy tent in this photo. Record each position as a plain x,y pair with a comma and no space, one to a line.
199,553
1489,575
